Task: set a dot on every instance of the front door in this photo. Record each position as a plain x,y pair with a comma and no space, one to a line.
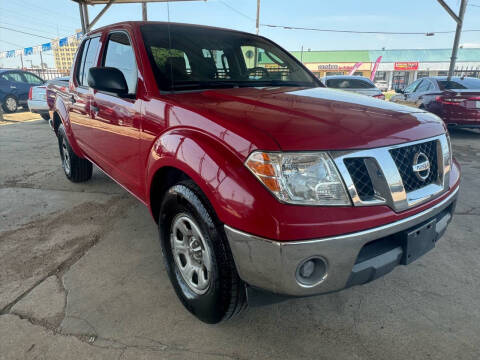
117,119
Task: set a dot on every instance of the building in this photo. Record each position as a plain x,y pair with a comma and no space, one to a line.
64,55
398,67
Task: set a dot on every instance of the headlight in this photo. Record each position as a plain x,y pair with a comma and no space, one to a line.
299,178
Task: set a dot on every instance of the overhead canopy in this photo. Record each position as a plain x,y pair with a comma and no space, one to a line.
83,7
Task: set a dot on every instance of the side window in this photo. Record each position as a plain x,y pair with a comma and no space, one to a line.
413,86
90,59
424,86
32,79
120,55
15,76
81,65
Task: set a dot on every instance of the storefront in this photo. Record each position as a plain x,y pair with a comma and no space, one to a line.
341,68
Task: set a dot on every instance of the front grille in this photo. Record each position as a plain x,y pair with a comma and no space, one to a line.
360,177
404,158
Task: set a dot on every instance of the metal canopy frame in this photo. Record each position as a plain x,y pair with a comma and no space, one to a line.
83,9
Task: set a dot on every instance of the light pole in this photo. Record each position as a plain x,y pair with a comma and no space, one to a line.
458,32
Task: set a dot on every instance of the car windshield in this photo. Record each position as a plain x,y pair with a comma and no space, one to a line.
346,83
465,83
187,58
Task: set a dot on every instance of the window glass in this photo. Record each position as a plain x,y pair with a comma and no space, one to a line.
120,55
424,86
14,76
90,59
465,83
184,58
380,75
346,83
413,86
32,79
82,61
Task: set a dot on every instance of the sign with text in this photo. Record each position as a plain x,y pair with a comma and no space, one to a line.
406,65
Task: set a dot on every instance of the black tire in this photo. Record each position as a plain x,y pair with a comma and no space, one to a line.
10,104
76,169
45,116
225,295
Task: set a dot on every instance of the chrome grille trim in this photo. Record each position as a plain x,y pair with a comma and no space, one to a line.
386,179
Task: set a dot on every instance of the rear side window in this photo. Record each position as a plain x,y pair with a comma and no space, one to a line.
89,55
466,83
120,55
349,84
32,79
425,86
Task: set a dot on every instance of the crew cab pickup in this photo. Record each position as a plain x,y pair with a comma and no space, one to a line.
262,181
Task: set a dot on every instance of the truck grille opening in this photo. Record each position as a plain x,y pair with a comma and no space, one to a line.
360,177
404,158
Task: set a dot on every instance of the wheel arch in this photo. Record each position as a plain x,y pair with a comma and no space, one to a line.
236,197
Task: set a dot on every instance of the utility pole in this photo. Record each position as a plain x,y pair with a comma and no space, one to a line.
459,20
41,64
144,11
258,31
21,59
258,16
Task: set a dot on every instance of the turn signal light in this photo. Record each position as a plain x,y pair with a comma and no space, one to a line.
261,165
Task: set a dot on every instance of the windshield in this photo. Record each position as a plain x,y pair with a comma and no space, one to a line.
465,83
188,58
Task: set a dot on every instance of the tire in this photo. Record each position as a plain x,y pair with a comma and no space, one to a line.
189,228
76,169
45,116
10,104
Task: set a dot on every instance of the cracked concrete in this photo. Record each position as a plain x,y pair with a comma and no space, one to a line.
81,276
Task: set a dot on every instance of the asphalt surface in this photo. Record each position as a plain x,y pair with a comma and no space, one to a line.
81,276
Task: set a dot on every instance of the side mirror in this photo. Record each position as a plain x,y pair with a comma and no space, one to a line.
399,91
107,79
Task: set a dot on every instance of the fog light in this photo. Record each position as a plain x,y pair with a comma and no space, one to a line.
307,268
311,271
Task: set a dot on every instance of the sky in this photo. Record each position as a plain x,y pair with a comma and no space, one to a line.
59,18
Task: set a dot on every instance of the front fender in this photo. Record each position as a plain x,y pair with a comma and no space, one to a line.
62,112
238,199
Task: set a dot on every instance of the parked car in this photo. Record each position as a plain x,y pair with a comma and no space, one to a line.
14,88
456,101
357,84
266,185
381,85
37,101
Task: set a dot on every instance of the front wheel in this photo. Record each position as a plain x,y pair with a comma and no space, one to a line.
197,257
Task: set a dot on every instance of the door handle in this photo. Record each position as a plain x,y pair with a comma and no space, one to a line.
95,109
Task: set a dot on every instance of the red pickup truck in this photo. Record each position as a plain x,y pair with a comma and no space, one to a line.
263,182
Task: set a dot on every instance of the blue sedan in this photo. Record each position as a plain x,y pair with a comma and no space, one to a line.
14,88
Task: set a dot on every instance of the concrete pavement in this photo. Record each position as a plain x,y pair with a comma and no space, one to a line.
81,276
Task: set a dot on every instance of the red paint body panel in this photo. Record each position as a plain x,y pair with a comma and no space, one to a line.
209,134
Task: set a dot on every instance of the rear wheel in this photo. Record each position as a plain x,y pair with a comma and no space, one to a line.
197,256
10,104
76,169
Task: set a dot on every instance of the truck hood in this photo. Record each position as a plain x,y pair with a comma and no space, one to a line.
311,118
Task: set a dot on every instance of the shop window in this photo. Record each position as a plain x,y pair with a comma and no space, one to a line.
422,74
381,75
358,73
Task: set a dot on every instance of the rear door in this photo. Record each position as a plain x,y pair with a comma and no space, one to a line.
81,94
116,120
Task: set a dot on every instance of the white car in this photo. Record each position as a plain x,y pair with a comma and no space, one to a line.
353,83
37,101
382,85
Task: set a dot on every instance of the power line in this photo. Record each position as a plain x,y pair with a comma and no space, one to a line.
24,32
237,11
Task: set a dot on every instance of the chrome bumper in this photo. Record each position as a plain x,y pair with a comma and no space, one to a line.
272,265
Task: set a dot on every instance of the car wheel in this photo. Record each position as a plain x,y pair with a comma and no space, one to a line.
10,104
197,256
76,169
45,116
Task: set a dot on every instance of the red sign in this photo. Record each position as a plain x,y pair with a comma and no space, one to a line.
406,65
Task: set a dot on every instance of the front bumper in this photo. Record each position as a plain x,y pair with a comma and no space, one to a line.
273,266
